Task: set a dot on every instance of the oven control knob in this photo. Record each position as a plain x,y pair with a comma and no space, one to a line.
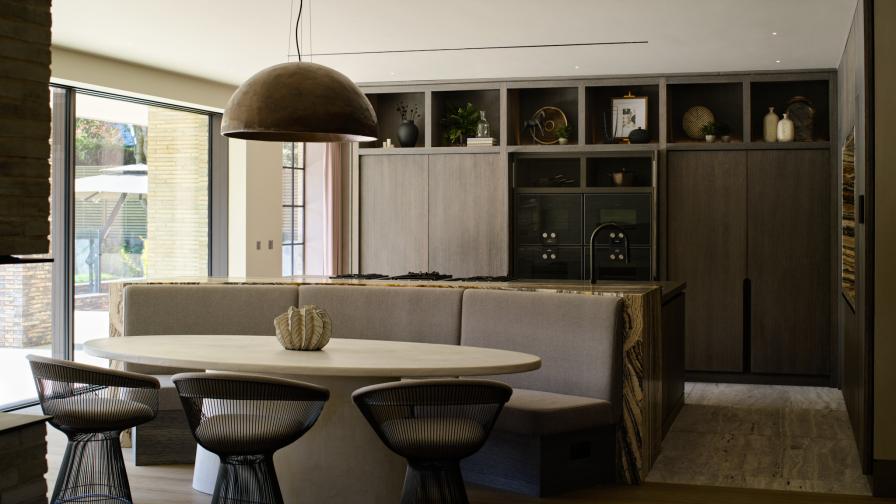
553,256
553,235
621,257
544,256
612,257
612,235
621,235
544,235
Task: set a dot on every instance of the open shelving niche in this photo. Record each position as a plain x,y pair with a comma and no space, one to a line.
739,100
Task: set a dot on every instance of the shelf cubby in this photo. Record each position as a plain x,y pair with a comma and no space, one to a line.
388,118
765,94
598,102
544,172
488,100
599,171
724,99
522,103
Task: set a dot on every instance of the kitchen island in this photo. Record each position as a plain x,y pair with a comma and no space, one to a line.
652,385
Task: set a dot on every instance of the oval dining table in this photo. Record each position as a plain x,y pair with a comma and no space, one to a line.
340,459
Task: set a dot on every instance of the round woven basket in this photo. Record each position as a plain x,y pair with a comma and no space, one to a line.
694,119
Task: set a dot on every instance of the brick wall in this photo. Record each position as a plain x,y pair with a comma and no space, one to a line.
24,464
25,305
24,126
177,206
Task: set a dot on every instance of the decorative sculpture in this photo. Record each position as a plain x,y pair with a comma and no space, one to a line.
305,328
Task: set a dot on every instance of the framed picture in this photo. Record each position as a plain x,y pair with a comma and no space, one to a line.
629,114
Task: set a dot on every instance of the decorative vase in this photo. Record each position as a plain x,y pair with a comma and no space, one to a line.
639,136
726,138
710,138
407,133
770,126
305,328
483,129
801,111
562,141
785,129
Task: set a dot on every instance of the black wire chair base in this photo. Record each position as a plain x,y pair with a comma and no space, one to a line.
247,479
434,483
92,471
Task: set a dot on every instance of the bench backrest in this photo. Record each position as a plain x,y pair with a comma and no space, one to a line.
419,314
578,337
202,309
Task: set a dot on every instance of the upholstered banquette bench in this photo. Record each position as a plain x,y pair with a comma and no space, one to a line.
556,433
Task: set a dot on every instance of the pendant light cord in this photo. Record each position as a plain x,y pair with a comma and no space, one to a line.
299,22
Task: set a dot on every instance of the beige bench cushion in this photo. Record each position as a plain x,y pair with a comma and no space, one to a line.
578,337
202,309
537,413
420,314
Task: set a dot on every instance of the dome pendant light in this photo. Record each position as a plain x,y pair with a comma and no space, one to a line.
299,102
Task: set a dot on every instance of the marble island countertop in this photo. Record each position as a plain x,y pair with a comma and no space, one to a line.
668,288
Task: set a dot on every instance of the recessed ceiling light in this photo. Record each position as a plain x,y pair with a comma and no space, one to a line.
577,67
774,34
777,61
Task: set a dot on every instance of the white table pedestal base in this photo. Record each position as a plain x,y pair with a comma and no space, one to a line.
339,460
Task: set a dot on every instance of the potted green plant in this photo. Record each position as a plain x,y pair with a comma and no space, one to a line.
460,123
724,131
709,131
564,131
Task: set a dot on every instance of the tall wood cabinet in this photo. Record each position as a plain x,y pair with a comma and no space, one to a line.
750,233
445,212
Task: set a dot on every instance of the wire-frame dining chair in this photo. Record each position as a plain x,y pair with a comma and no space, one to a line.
244,419
433,424
91,406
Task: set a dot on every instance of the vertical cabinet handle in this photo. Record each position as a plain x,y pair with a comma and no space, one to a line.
747,324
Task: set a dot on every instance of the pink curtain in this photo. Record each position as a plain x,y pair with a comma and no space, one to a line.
334,158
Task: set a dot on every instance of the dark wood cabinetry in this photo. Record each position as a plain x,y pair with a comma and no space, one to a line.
750,233
707,247
789,261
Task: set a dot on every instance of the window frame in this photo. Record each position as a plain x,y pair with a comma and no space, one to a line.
294,245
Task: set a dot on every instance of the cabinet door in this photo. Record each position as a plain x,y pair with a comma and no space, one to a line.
548,219
789,261
468,215
707,243
393,214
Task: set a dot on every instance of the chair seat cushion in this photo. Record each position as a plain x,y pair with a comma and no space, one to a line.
97,413
433,438
537,413
245,434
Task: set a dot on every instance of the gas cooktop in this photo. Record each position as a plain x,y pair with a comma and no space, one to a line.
483,278
421,275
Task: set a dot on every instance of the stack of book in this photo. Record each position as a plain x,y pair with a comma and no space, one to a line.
480,142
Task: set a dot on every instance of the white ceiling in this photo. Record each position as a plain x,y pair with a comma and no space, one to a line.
229,40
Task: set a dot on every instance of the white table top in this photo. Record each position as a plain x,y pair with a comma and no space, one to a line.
341,356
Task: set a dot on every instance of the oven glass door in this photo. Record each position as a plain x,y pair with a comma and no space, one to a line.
548,219
631,211
548,263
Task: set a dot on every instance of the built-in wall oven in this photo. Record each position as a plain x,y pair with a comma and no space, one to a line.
557,204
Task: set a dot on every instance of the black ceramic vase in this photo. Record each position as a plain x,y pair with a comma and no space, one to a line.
407,133
639,136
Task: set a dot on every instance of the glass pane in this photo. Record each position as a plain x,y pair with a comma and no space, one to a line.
299,229
287,154
298,259
141,201
286,234
286,261
299,186
26,310
287,186
299,155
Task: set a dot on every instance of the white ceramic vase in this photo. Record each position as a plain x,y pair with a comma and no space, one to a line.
785,129
770,126
710,138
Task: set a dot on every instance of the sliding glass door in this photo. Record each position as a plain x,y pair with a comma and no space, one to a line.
141,202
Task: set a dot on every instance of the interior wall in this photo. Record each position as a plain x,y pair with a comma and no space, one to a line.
105,74
885,231
853,351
